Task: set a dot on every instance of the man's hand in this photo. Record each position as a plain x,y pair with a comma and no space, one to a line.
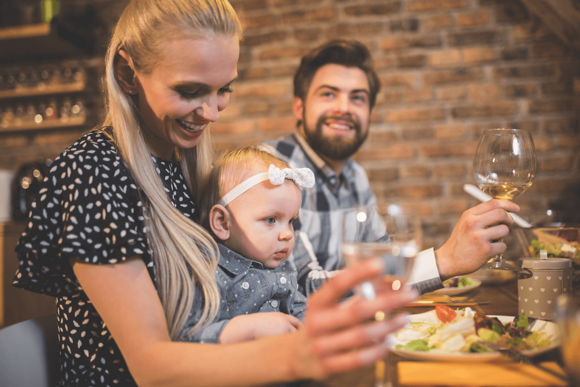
253,326
476,238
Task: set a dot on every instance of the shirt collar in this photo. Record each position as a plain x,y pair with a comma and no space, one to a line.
322,166
235,263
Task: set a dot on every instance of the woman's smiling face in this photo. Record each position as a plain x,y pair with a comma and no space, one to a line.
186,91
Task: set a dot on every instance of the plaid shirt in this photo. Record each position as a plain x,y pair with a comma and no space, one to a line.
316,253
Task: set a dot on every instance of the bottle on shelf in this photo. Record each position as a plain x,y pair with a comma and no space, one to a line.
21,82
10,82
78,109
51,110
30,113
56,78
40,116
44,79
19,115
7,117
65,110
67,76
79,75
32,82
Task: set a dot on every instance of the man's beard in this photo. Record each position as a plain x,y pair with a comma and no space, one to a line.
334,148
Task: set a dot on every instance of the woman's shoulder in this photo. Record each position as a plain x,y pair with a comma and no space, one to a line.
94,146
94,154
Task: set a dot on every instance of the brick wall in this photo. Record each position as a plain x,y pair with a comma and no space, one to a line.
449,69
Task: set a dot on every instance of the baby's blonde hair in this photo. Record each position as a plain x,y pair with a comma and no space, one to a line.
183,252
231,169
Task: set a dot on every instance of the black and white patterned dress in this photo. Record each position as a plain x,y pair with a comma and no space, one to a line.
88,208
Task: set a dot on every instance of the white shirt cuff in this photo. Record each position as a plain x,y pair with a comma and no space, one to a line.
425,267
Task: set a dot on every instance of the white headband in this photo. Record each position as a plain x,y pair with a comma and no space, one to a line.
304,177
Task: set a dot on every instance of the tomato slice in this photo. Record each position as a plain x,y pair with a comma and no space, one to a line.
445,313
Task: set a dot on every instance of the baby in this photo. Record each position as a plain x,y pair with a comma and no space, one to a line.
249,204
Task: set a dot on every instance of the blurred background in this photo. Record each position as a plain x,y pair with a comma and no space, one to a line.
449,69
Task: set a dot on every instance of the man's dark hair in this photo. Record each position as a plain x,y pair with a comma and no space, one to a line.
345,52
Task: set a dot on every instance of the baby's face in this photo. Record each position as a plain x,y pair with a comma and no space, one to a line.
262,222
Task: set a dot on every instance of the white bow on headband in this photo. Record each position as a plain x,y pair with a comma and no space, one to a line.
303,177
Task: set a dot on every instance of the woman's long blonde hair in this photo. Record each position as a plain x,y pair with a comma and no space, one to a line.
183,252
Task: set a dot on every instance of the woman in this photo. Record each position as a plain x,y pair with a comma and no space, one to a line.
111,236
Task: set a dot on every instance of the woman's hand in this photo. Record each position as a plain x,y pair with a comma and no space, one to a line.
257,325
335,337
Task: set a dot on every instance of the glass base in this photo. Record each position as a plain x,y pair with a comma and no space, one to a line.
500,265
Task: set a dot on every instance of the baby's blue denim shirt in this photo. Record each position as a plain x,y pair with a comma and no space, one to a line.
246,286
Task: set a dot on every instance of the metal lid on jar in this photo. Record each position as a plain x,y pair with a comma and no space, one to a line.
545,264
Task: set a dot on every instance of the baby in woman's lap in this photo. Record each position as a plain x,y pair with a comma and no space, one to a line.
249,204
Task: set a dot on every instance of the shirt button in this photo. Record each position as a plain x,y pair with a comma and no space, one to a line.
283,280
245,285
333,180
274,303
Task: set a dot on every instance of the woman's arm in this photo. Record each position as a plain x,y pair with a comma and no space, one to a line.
332,340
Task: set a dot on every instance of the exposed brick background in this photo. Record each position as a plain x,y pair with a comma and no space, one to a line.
449,69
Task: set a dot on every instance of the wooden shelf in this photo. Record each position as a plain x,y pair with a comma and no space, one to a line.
47,90
42,41
51,124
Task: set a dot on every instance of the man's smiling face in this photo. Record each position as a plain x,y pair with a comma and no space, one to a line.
336,111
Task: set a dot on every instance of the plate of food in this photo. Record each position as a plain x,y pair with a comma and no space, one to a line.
445,334
457,285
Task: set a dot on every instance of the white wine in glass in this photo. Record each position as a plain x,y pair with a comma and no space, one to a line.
506,191
504,167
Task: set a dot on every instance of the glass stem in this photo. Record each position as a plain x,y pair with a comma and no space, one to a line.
498,260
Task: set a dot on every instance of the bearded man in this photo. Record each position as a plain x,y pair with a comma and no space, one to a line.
335,89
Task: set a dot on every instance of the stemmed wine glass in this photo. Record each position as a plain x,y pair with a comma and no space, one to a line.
390,232
504,167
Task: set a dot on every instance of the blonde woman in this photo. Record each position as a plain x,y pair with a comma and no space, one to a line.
111,235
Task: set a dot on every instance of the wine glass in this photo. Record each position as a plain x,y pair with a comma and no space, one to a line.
504,167
391,233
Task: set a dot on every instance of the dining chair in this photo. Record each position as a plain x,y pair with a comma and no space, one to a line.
29,353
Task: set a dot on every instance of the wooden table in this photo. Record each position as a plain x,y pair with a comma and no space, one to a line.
503,301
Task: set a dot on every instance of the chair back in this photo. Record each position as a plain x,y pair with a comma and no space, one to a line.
29,353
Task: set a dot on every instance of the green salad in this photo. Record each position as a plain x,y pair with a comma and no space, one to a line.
447,331
458,282
567,250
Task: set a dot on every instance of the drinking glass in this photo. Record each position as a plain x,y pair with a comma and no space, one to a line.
391,233
504,167
568,319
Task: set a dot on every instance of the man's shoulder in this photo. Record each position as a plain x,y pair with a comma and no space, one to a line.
353,170
287,149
